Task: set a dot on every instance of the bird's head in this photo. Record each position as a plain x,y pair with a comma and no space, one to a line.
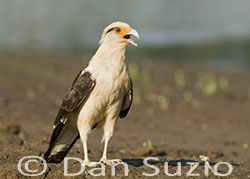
120,33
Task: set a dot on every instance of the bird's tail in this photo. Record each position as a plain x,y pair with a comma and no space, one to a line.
62,140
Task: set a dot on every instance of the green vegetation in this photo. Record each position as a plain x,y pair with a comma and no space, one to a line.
245,146
223,84
146,76
134,71
149,145
164,102
180,81
191,165
188,96
123,151
207,83
163,159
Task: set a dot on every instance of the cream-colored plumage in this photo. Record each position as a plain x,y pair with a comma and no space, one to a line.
109,69
111,93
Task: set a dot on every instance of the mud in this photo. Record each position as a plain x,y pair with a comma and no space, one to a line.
164,122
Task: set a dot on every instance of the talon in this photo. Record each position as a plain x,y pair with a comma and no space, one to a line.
109,162
89,164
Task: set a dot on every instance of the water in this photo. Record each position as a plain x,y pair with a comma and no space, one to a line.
76,25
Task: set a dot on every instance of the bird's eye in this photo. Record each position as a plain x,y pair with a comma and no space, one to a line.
118,29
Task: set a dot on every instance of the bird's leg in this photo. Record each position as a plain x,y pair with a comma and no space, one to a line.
104,155
108,132
86,161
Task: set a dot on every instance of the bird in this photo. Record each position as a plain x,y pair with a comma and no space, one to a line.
101,93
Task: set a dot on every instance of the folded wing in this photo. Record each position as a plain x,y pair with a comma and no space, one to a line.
65,132
127,101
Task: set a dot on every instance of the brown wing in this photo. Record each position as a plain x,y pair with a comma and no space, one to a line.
80,89
62,134
127,101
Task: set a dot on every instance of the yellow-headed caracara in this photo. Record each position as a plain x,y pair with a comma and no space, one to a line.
100,94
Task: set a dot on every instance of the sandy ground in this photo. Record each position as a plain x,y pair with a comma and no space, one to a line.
180,121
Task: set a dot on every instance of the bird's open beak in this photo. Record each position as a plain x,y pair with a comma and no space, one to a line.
129,35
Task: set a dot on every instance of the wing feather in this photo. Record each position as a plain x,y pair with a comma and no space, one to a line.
80,89
127,101
62,139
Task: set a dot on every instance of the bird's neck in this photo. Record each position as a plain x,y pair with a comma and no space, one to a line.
111,51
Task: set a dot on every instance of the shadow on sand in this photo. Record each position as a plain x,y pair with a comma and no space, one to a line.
137,162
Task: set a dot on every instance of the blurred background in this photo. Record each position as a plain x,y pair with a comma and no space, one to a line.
208,29
190,73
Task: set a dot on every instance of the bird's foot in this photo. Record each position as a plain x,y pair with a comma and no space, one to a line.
109,162
89,163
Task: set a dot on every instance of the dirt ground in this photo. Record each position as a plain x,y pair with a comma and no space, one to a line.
171,118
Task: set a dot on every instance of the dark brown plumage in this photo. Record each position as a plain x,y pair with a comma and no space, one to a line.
79,91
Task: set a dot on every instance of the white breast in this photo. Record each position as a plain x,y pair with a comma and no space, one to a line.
108,92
